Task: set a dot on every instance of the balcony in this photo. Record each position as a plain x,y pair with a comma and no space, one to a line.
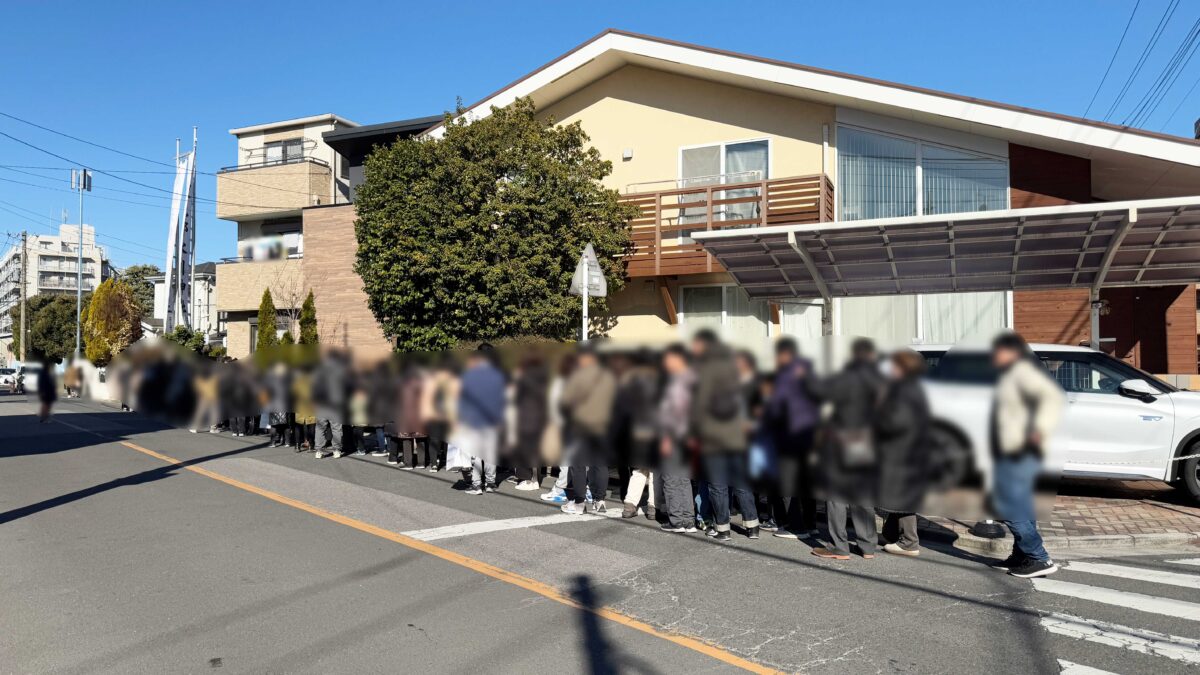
273,188
660,231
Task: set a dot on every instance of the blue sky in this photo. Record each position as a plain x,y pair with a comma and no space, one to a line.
137,75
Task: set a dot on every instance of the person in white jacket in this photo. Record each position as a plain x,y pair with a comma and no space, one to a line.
1027,408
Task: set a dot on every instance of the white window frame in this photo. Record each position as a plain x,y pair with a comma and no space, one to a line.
722,145
920,177
682,313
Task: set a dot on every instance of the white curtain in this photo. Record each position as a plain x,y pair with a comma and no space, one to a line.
744,162
950,318
956,182
747,323
889,320
702,308
877,175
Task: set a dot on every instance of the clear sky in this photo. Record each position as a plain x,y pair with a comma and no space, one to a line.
137,75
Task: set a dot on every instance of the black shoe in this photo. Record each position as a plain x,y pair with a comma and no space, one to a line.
722,536
752,532
1034,568
667,527
768,525
1011,562
711,531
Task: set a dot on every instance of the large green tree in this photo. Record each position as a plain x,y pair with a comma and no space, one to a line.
50,320
475,236
113,321
138,278
266,322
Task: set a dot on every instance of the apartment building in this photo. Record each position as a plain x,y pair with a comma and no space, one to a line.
53,268
282,168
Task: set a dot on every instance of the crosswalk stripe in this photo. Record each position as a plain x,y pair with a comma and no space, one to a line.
1069,668
1143,603
1139,640
485,526
1186,561
1136,573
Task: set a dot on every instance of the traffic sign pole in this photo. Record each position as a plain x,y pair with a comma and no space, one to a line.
584,328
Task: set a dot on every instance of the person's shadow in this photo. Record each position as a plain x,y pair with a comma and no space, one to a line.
604,657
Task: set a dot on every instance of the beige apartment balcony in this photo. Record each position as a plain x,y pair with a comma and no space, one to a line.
272,188
661,231
240,284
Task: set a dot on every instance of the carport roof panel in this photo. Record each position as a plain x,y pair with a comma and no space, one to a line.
1134,243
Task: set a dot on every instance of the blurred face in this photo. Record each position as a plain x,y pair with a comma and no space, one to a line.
699,347
1003,357
586,359
783,358
672,363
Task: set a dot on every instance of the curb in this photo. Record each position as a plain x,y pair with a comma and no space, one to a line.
1003,546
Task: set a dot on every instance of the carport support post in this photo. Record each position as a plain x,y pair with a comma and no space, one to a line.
1094,305
1114,245
826,298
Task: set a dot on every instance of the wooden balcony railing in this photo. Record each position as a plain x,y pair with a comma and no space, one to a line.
661,240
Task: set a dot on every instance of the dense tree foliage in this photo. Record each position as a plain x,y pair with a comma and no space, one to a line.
113,321
475,236
266,322
138,278
308,321
51,326
192,340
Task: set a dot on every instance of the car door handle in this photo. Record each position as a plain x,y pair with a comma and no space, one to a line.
1151,418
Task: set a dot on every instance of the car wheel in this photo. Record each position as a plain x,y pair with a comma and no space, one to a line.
1189,474
949,461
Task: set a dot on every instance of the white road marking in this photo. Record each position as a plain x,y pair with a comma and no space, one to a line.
1186,561
1143,603
484,526
1137,573
1139,640
1069,668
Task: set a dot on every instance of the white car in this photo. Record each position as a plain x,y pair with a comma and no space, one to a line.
1120,422
8,376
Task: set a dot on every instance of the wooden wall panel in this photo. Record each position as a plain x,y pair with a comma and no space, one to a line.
1044,178
1057,317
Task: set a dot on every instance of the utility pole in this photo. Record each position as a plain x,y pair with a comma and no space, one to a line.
24,298
81,179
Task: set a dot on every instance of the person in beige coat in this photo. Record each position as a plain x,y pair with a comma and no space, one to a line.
1025,412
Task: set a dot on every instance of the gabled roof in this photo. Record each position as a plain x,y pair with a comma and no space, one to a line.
614,49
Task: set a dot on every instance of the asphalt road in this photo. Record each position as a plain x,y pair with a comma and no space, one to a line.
130,547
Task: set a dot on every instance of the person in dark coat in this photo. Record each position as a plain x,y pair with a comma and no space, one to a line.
790,417
847,452
635,424
531,390
902,443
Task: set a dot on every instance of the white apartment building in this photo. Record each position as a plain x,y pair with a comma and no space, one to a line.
204,299
52,268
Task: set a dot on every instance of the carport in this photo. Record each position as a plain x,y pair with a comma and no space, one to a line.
1148,242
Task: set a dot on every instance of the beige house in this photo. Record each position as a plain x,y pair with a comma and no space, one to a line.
282,168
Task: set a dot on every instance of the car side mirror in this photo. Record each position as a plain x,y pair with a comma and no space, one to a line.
1139,389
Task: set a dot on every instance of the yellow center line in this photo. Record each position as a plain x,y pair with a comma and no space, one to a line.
542,589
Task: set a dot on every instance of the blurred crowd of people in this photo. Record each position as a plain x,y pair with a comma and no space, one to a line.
693,435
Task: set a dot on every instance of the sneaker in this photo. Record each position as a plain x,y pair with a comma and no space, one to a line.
490,487
393,462
379,453
1034,568
752,532
722,537
651,513
419,466
475,490
358,453
768,525
786,534
406,468
337,454
896,549
528,485
667,527
598,507
553,496
319,455
710,531
690,530
433,469
192,431
629,511
1011,562
511,479
572,509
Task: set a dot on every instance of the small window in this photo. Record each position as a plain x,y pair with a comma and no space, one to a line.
283,152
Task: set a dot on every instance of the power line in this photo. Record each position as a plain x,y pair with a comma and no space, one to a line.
1114,57
50,229
1150,45
106,236
1166,78
1180,104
